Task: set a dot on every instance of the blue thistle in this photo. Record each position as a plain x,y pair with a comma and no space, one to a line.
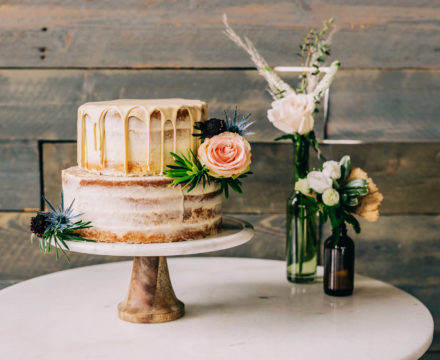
239,127
57,226
60,218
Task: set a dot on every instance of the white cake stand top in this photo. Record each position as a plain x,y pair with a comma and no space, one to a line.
234,232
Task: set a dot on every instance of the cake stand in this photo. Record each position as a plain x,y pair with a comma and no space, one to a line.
151,298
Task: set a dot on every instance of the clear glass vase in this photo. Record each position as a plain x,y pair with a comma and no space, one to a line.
302,233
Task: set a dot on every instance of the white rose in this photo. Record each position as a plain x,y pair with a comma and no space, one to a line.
319,181
302,186
293,113
332,169
330,197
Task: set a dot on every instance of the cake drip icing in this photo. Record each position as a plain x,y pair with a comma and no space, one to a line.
135,137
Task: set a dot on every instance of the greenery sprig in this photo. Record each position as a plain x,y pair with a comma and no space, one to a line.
349,194
187,169
233,183
313,51
55,227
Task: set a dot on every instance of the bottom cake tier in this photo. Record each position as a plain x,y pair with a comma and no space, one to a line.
141,209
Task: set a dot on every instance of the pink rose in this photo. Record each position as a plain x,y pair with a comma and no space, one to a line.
293,113
226,155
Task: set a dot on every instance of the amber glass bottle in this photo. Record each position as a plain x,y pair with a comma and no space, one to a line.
339,264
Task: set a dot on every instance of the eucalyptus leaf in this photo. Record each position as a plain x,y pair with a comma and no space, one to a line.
356,183
359,191
350,201
345,164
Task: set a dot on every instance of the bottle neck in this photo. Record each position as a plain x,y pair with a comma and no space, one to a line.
301,156
343,229
340,235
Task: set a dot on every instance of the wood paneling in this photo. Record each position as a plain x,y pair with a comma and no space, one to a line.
189,33
403,250
371,105
19,175
377,105
407,174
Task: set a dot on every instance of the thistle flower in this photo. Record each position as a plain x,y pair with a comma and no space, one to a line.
56,227
60,218
239,127
210,128
39,224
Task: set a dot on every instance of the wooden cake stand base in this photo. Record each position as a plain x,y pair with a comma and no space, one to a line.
151,297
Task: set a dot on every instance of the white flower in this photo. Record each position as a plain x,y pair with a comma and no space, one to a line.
332,169
293,113
302,186
330,197
319,181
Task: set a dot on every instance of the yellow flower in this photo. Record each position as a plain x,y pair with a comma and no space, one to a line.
368,207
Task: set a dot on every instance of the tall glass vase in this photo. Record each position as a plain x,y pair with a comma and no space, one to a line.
302,224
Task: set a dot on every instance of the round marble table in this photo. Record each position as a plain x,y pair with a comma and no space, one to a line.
236,309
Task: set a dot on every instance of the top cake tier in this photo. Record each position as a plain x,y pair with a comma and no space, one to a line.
135,137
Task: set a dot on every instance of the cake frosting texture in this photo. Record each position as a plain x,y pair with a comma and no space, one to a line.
142,209
123,148
136,137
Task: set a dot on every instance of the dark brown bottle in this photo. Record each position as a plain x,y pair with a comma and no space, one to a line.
339,264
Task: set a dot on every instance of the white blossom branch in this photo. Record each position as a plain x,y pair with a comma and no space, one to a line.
327,80
277,87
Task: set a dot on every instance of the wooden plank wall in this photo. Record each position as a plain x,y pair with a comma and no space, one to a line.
56,55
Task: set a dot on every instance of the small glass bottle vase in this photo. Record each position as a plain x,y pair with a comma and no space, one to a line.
302,226
339,264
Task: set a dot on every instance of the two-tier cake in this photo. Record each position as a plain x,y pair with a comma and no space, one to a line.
124,147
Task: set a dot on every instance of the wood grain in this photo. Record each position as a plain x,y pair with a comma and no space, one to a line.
19,175
377,105
369,105
188,33
406,173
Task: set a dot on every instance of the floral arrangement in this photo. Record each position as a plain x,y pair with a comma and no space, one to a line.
224,155
292,109
57,226
339,192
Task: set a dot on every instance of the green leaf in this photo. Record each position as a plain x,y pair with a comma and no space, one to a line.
359,191
186,169
345,164
308,200
285,137
323,217
350,201
353,221
356,183
315,144
235,185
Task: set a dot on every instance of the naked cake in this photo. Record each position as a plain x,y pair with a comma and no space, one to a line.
119,184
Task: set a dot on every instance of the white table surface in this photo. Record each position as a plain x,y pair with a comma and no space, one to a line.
235,309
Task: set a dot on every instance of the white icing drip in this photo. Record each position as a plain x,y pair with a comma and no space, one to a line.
142,109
